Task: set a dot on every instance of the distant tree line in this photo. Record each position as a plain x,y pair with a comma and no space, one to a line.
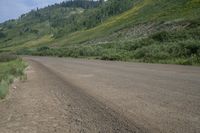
81,3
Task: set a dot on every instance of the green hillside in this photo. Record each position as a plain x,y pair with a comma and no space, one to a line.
156,31
147,11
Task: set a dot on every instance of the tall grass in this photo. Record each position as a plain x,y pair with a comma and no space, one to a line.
9,69
4,57
3,89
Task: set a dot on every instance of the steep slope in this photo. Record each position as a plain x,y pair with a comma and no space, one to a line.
163,31
147,11
58,20
34,25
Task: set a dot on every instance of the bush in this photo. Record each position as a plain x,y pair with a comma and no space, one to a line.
116,55
177,35
192,47
131,46
24,52
4,57
43,48
183,48
2,35
112,57
152,53
161,36
183,61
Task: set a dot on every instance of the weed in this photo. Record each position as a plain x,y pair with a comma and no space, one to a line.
8,71
3,89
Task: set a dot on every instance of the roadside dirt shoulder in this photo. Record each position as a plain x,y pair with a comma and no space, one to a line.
45,103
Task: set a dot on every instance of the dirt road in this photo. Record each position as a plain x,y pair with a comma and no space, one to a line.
75,95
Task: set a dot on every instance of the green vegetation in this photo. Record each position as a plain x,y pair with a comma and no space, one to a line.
175,47
164,31
5,57
10,67
57,21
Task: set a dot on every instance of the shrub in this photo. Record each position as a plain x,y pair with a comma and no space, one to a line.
140,53
111,57
4,57
43,48
192,47
183,61
152,53
24,52
183,48
2,35
114,54
161,36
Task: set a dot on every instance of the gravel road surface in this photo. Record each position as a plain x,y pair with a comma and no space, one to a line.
90,96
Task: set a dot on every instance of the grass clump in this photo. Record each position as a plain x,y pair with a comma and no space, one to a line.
8,71
3,89
4,57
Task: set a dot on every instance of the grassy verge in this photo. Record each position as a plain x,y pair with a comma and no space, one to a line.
10,67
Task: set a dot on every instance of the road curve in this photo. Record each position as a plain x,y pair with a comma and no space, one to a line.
78,95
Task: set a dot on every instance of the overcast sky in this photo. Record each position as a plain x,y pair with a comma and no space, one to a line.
11,9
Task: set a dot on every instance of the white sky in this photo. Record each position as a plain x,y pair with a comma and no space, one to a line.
12,9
